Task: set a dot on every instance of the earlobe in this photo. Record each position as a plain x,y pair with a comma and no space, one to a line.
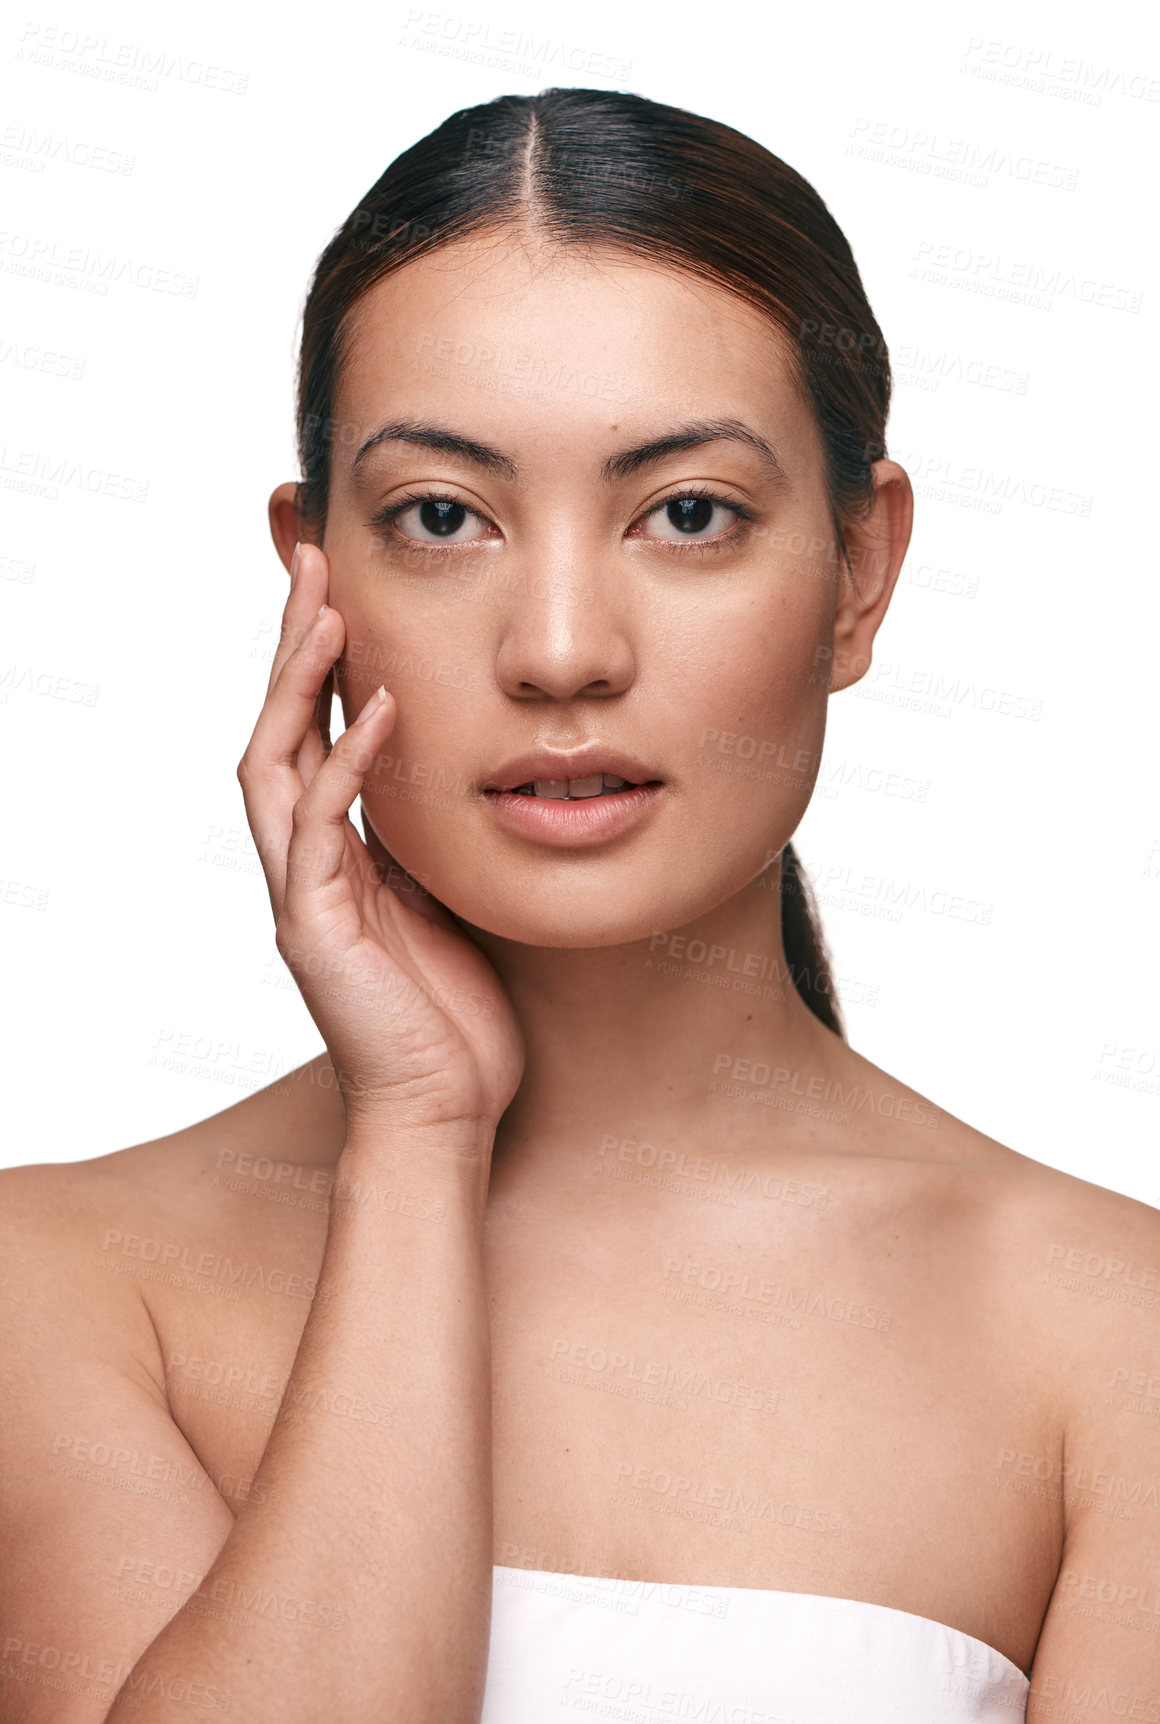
285,526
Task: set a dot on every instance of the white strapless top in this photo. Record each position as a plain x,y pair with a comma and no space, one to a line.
645,1652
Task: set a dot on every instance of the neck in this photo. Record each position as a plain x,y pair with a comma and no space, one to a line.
649,1036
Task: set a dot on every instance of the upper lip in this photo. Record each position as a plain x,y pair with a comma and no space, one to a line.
581,763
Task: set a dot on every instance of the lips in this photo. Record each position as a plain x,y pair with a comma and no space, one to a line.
571,821
572,777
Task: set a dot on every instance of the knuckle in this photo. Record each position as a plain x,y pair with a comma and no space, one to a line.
287,937
252,767
351,748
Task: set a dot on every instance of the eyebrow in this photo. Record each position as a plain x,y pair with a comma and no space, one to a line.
691,436
444,442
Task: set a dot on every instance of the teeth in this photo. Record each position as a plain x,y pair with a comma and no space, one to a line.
574,789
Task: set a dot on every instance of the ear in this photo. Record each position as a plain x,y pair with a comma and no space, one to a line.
285,525
877,546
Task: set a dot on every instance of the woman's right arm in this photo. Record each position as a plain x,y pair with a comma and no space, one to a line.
356,1580
365,1548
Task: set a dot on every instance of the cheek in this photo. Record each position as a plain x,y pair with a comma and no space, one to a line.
423,654
754,723
422,761
757,672
416,787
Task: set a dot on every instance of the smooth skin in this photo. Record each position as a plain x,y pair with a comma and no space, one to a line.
519,1249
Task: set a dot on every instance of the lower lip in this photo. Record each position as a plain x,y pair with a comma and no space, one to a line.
572,822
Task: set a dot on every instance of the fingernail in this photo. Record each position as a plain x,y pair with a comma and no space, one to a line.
313,624
294,565
372,705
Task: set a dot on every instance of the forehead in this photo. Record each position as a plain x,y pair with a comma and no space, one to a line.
542,342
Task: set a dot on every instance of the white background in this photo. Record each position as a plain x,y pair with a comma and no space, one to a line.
1015,146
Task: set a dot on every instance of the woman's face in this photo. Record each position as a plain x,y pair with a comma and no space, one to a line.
627,569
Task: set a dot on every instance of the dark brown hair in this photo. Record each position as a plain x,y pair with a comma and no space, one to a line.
608,169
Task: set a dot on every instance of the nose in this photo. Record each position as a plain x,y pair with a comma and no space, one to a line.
563,638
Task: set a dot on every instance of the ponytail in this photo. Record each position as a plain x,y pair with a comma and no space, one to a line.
806,953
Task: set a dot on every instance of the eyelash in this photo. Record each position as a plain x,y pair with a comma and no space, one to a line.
381,521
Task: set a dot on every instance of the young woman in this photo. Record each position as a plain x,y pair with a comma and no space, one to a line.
589,1326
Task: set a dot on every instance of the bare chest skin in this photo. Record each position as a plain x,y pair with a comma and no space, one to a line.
813,1375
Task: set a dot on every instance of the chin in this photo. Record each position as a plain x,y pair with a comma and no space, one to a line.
595,915
556,925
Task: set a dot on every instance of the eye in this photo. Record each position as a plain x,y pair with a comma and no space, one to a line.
426,518
694,515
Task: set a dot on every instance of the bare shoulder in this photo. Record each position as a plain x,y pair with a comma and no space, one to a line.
1078,1266
90,1240
1062,1247
1093,1256
1071,1234
295,1121
894,1118
101,1478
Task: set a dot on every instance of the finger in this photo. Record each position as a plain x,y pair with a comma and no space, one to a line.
309,588
323,713
269,770
316,744
320,828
